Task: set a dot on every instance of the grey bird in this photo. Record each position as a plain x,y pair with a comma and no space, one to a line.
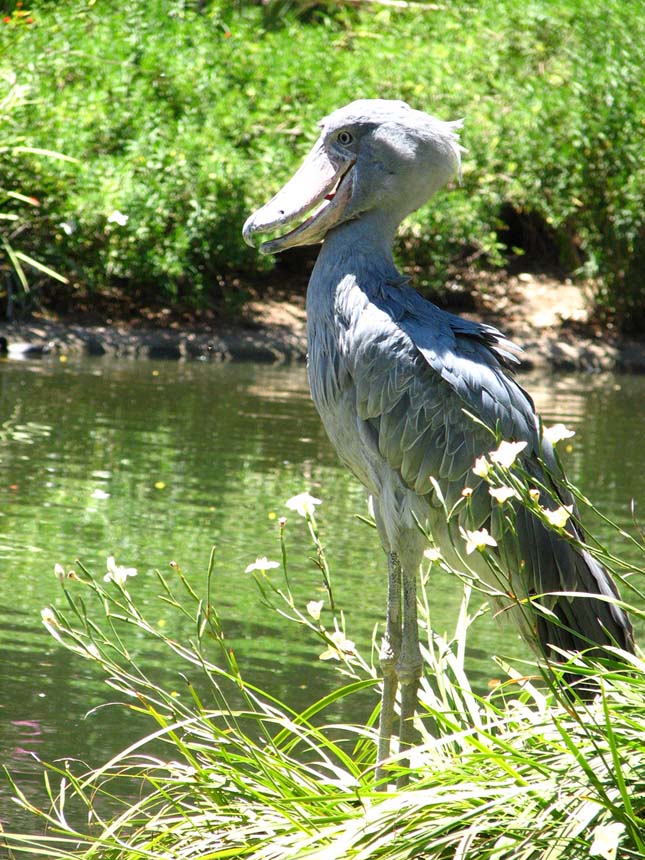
398,383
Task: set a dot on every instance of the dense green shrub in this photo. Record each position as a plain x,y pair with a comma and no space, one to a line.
185,116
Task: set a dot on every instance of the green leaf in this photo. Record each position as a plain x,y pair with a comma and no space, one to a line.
41,267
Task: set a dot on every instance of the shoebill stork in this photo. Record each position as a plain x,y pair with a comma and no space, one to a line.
397,382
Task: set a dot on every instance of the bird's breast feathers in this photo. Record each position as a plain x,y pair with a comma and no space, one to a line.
407,375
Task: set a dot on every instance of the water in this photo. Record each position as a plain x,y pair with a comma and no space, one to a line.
154,462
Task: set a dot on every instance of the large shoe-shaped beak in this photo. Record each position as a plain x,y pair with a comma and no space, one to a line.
318,180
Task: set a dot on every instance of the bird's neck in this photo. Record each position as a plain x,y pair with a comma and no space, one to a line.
353,268
360,249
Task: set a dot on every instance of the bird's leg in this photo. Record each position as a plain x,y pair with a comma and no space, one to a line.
389,659
410,665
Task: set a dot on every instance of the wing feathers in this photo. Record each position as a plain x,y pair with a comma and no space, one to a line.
417,371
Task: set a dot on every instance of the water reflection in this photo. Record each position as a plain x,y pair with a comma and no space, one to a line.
152,462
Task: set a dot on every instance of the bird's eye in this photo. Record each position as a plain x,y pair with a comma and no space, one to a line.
345,138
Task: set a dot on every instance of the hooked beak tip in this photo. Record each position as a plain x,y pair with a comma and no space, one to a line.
248,230
271,247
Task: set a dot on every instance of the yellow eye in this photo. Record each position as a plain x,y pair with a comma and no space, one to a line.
344,138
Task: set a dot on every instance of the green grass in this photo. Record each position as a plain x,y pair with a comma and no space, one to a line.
183,122
527,772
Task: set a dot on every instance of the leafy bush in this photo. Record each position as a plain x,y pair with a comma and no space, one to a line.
18,207
185,117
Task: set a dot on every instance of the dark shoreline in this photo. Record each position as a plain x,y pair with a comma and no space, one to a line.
553,349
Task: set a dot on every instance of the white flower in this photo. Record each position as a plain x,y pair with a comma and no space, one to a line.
605,840
557,433
559,516
51,622
340,646
303,504
59,571
432,553
262,564
507,452
503,494
478,539
117,217
116,573
314,608
482,467
47,616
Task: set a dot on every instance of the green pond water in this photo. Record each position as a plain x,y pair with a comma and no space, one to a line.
155,462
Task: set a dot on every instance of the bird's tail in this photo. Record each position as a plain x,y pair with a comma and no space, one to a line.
580,600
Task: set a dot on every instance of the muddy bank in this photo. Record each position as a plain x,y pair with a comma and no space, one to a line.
546,319
230,343
271,333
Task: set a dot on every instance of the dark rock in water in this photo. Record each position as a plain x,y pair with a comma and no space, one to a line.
165,350
22,349
93,346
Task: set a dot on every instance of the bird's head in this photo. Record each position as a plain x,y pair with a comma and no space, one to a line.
372,155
